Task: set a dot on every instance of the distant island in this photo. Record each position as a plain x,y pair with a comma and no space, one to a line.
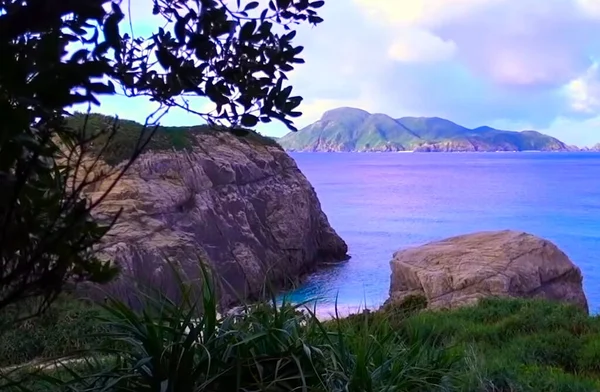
355,130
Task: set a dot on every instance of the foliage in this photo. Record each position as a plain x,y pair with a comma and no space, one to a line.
57,54
231,53
498,345
518,345
70,325
264,347
127,133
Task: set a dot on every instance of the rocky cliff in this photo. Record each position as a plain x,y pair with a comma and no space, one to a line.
242,206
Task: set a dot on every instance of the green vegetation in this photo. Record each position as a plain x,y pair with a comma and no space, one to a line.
348,129
67,327
498,345
116,139
518,345
213,50
48,231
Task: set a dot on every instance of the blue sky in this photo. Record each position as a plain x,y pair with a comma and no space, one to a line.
526,64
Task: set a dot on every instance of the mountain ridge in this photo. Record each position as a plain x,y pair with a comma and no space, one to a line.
347,129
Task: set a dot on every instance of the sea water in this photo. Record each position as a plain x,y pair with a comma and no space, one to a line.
381,202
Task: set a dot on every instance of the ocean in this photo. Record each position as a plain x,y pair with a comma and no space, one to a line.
382,202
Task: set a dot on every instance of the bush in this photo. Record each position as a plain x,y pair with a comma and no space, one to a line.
517,344
498,345
264,347
69,326
589,355
269,347
116,148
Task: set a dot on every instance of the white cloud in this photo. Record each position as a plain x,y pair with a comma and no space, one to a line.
512,43
590,8
584,92
416,45
476,62
423,13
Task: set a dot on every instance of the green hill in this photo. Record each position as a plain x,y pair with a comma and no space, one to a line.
349,130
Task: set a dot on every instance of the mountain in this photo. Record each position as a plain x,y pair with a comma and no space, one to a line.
594,148
355,130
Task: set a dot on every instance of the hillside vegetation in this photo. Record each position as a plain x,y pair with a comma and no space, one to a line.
129,133
499,345
349,129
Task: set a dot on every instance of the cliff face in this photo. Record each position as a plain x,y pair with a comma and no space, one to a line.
243,207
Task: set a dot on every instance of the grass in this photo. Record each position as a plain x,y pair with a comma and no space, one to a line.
518,345
68,327
498,345
128,132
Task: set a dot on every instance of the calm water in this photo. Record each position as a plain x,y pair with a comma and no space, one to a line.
382,202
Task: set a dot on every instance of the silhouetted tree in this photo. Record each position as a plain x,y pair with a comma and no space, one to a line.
59,53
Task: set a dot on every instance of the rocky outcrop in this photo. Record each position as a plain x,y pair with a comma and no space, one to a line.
243,207
461,146
461,270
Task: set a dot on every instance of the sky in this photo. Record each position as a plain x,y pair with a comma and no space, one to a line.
514,65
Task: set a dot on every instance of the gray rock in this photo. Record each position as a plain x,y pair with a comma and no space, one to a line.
461,270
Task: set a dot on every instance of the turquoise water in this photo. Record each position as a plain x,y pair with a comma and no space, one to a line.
381,202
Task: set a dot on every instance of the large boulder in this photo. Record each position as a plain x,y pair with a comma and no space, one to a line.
460,270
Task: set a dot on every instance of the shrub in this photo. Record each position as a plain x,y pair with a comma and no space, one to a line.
589,355
69,326
115,148
187,345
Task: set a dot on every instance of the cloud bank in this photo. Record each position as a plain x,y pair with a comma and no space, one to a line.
519,64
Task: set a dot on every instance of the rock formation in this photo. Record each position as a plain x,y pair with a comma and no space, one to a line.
243,207
460,270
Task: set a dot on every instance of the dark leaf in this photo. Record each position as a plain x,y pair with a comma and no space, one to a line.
101,88
290,36
249,120
247,30
283,4
251,5
180,29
